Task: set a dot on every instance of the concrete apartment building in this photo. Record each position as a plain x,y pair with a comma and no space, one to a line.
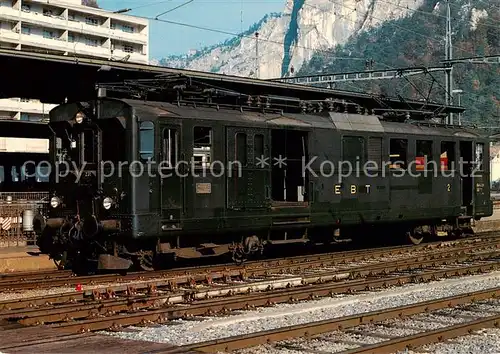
69,28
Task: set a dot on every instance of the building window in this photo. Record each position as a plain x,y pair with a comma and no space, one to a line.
91,21
113,26
128,29
71,37
147,140
48,34
26,30
24,116
47,12
91,42
128,48
398,153
202,146
26,8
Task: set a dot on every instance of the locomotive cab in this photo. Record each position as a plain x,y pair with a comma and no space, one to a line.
88,194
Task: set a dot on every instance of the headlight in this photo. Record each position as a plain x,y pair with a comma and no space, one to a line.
107,202
54,202
79,117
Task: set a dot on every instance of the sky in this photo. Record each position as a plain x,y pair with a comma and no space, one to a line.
232,16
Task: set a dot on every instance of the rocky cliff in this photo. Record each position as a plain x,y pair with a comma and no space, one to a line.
288,39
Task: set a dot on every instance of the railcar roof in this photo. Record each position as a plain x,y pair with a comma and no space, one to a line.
326,120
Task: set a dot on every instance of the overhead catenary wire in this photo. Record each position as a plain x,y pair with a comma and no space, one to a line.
174,8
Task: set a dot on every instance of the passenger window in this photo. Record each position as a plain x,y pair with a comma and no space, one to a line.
146,140
447,157
241,148
258,146
170,147
424,155
353,150
202,151
398,153
479,156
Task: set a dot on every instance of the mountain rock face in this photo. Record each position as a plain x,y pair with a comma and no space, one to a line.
289,39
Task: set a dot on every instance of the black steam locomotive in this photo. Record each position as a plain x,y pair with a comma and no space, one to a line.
136,179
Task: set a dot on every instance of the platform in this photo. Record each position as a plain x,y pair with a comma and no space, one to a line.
23,259
490,223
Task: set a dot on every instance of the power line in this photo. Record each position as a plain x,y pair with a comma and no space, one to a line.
141,6
241,35
175,8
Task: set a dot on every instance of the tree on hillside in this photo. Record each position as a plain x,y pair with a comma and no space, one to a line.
421,44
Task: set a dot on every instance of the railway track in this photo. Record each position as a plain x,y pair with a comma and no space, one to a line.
313,329
71,327
296,279
113,312
8,279
52,279
214,283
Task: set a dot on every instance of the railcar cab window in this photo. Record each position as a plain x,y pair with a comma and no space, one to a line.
398,152
202,146
423,160
170,147
479,156
146,140
447,157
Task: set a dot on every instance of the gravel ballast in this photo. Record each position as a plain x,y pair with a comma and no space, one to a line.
188,332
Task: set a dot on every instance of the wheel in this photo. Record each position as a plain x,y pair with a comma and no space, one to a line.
61,260
146,261
415,238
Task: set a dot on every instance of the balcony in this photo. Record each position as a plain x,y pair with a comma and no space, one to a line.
135,37
42,42
134,57
28,106
9,36
41,20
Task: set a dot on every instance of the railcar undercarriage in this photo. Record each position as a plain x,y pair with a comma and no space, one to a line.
88,245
